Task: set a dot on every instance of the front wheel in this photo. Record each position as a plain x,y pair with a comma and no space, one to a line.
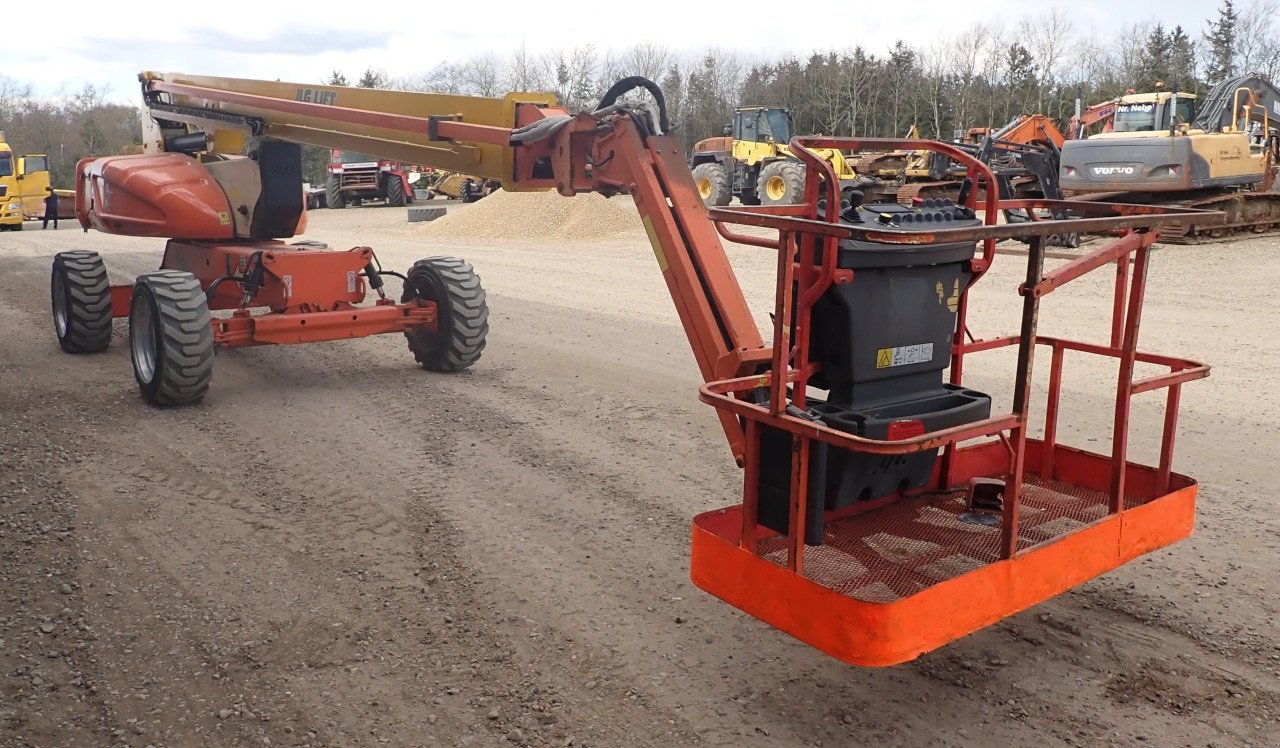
333,197
170,338
713,183
781,183
81,300
395,192
462,314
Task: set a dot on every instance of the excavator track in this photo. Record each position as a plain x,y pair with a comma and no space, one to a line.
1245,213
948,188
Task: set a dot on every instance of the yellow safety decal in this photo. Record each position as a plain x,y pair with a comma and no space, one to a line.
952,301
224,218
657,246
884,358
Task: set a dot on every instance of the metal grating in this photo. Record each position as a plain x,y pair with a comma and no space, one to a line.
890,553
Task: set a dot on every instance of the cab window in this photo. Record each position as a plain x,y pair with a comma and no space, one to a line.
1186,110
6,165
33,164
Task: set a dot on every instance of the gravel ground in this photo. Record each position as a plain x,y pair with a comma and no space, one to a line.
339,549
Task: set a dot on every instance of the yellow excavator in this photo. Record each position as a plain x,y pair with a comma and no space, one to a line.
1225,159
752,162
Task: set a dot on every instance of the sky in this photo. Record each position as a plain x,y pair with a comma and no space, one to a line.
108,43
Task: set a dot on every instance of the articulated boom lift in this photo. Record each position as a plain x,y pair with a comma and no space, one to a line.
865,528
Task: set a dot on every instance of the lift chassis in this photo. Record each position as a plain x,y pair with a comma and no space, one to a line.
887,508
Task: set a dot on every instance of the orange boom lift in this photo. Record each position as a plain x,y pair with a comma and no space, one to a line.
886,510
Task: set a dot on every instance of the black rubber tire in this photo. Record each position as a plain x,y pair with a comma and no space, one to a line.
462,313
83,325
717,180
333,197
395,192
791,176
467,192
170,307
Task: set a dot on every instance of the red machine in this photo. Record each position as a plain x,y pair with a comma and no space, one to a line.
886,509
356,177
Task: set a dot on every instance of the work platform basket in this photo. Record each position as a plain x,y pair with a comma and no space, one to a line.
991,526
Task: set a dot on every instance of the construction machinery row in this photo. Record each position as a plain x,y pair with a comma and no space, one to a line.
1153,148
888,506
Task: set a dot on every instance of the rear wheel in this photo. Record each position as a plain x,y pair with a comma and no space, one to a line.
462,315
713,184
781,183
395,191
81,300
170,338
333,197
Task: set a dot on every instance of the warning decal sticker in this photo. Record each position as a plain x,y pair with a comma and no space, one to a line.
904,355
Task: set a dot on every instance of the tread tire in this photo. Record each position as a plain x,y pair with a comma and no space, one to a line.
333,197
395,192
718,176
170,306
792,175
461,310
86,297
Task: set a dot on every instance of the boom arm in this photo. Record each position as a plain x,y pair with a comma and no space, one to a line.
1220,108
1079,124
527,143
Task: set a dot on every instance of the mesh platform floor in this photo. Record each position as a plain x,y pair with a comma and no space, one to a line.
890,553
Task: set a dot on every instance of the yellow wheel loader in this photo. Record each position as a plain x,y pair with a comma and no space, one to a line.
752,162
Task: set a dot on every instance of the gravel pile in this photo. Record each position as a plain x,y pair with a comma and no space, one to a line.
539,215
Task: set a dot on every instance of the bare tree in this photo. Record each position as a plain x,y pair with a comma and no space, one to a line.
479,76
1049,36
963,56
1257,49
524,73
12,95
1129,46
936,62
647,59
443,78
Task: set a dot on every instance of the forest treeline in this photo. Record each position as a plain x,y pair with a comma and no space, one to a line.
982,76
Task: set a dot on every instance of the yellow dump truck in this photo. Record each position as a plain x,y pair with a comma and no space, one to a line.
24,183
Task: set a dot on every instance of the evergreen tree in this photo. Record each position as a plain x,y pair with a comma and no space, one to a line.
1182,61
1020,78
372,79
1220,40
1153,66
337,79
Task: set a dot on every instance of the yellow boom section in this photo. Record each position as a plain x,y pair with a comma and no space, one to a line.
214,105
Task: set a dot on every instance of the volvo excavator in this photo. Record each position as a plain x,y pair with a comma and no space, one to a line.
1225,159
888,507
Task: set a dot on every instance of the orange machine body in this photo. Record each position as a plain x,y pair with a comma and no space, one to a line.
167,194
